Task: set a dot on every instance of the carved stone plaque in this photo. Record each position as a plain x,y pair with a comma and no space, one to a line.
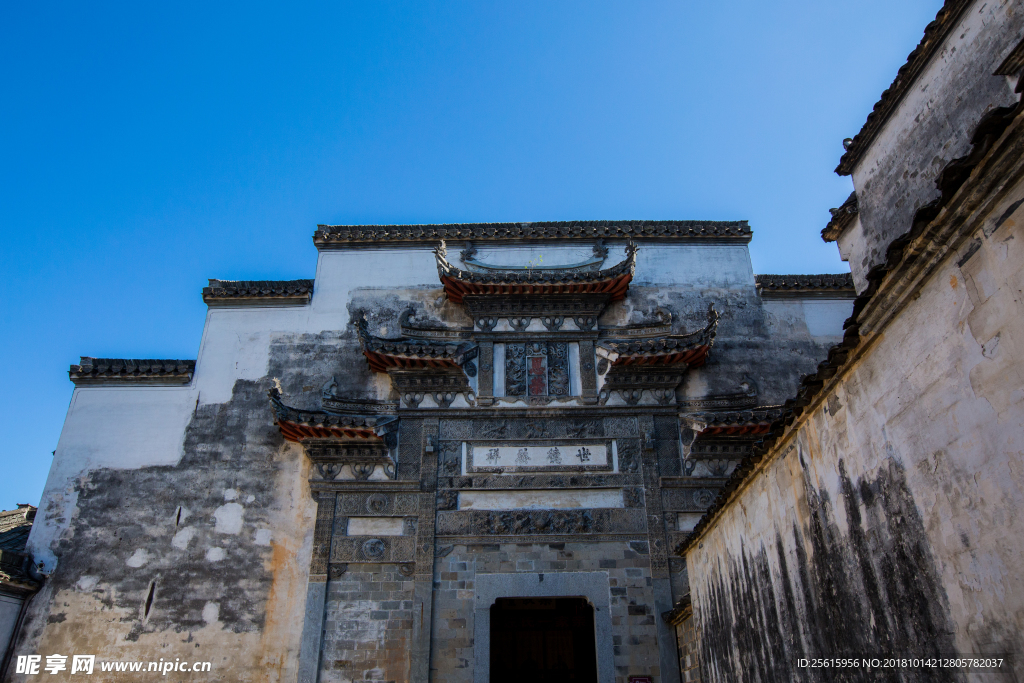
556,456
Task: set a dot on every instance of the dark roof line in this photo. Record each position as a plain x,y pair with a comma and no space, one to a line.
258,291
127,371
934,34
826,282
841,218
333,236
989,129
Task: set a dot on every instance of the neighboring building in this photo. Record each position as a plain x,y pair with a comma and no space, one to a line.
882,513
18,581
472,462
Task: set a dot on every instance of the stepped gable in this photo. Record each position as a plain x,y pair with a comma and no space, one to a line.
258,291
342,236
459,283
412,353
691,349
130,371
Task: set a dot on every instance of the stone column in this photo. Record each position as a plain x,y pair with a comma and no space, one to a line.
662,587
316,591
423,578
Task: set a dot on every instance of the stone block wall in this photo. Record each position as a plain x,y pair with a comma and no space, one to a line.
689,663
634,636
368,625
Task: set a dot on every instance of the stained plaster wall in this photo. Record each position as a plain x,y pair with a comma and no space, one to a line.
931,126
890,522
176,522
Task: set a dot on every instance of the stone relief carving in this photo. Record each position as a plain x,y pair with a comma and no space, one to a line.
629,455
558,368
374,549
702,498
377,503
515,369
447,500
351,549
540,522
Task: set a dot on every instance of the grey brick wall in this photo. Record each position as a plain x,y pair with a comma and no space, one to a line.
368,627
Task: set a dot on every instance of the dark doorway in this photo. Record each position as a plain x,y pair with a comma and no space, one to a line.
543,640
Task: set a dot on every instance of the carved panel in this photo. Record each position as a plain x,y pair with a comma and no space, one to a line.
455,430
384,504
629,455
373,549
485,383
322,533
449,458
539,522
588,380
539,369
621,426
558,368
410,449
515,369
689,499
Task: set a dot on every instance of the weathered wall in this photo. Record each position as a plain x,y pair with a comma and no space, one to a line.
931,126
890,522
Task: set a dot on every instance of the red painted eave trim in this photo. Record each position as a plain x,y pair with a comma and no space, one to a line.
297,433
616,287
736,430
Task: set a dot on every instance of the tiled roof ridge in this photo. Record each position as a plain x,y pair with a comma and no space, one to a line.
667,343
219,290
796,282
93,370
320,417
328,235
842,216
423,348
934,33
989,129
757,414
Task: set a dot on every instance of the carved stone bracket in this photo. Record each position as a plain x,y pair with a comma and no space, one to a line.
359,459
441,385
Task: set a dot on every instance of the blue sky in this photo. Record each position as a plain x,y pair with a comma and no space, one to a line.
148,147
